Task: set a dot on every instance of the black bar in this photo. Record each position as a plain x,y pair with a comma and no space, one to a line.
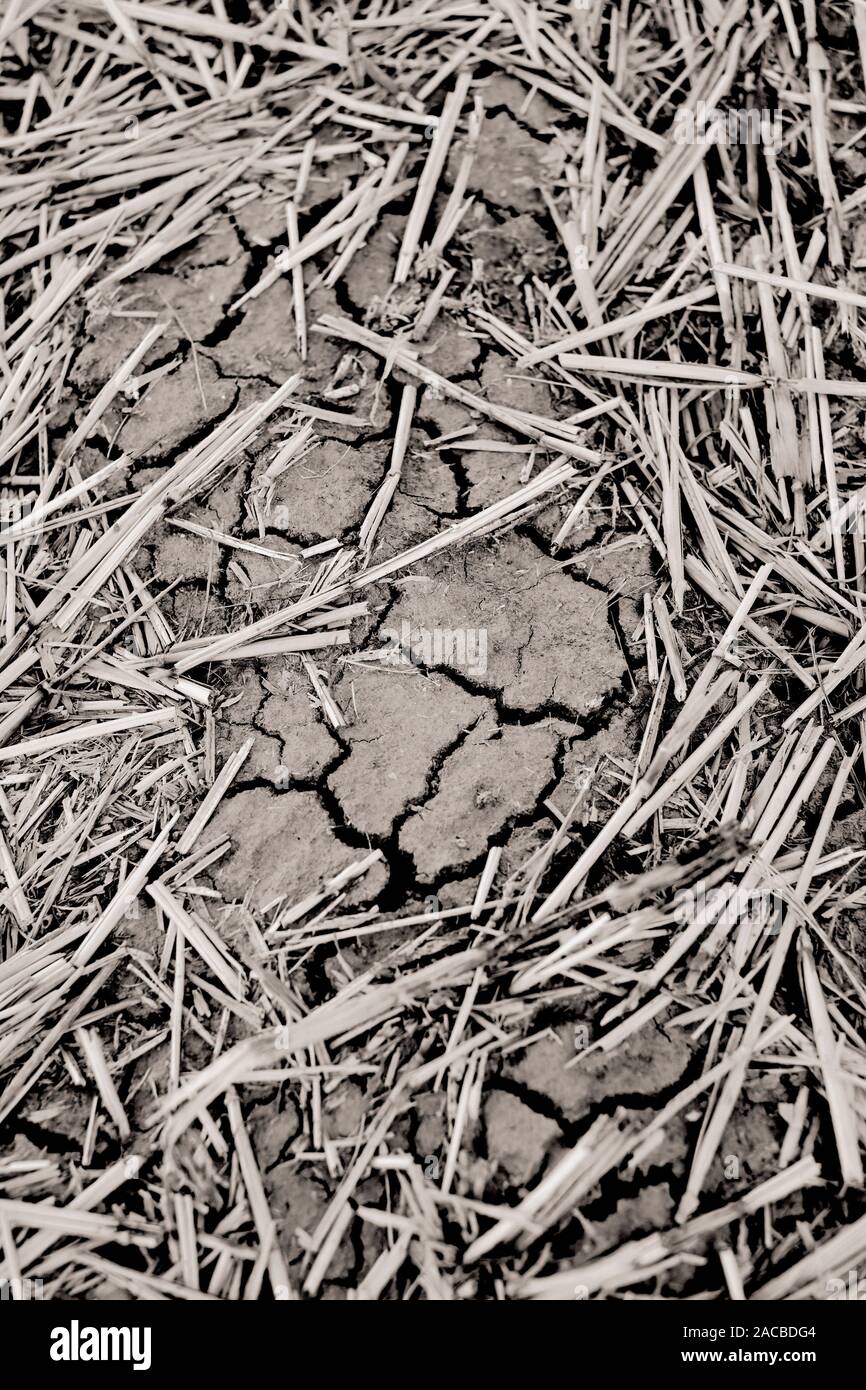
622,1337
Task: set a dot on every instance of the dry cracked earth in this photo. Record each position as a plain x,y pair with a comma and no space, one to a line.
436,762
438,759
435,757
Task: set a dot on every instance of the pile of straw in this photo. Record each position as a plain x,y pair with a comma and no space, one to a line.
700,314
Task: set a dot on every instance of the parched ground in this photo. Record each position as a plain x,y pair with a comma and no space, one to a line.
388,687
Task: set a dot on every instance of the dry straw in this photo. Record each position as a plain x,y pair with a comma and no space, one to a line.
695,320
